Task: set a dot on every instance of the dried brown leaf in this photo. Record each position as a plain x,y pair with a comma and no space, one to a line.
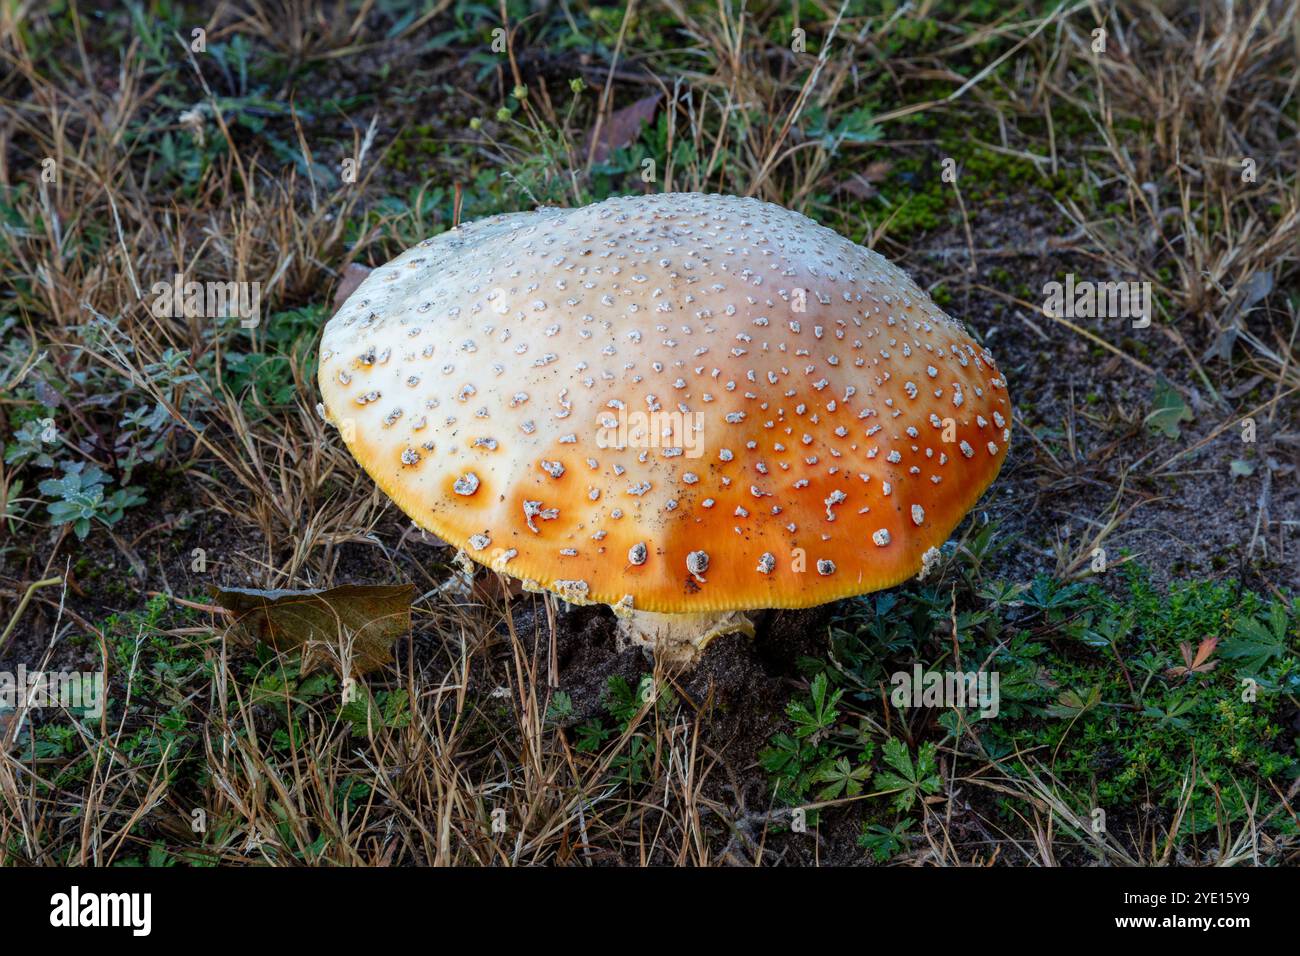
351,278
324,623
862,185
1195,664
624,126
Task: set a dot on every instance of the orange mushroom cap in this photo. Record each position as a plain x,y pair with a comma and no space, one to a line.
677,403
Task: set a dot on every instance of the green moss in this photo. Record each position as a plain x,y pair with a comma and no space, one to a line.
916,196
415,149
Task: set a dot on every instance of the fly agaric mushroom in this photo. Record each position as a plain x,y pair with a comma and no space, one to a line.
683,406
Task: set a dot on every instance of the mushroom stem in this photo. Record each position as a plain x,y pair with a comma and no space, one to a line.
679,638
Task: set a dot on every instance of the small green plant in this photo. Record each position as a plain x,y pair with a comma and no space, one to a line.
560,708
822,750
842,779
627,705
624,703
910,780
388,708
885,842
29,442
82,498
816,717
1256,642
621,700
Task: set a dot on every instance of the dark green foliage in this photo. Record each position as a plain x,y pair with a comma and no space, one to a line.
1086,691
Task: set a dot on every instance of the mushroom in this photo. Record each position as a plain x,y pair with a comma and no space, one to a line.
683,406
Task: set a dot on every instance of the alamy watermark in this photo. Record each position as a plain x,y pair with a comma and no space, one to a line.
78,908
211,300
922,688
1073,299
673,432
72,690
